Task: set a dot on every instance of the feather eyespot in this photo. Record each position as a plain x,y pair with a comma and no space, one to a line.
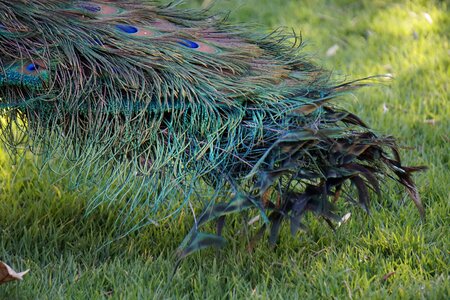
189,44
33,67
91,7
134,30
99,9
198,46
127,28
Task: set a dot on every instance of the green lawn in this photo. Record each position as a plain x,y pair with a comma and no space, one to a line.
72,256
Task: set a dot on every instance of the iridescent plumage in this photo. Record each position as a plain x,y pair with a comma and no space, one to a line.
155,107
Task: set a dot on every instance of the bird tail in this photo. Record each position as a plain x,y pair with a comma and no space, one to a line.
305,162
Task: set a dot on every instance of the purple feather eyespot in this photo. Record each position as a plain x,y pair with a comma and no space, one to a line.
99,9
91,7
127,28
188,43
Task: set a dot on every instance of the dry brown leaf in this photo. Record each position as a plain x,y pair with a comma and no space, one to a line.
8,274
386,276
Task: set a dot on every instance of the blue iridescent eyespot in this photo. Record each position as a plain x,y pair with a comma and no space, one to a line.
127,28
189,44
33,67
2,27
91,7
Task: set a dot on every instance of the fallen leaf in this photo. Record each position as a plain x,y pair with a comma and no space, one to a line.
430,121
254,220
8,274
344,219
332,50
428,17
386,276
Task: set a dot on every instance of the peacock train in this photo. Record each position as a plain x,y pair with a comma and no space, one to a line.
158,108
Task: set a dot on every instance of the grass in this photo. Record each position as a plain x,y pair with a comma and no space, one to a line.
43,226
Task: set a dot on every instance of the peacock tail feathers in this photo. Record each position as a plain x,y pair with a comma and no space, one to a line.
156,107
